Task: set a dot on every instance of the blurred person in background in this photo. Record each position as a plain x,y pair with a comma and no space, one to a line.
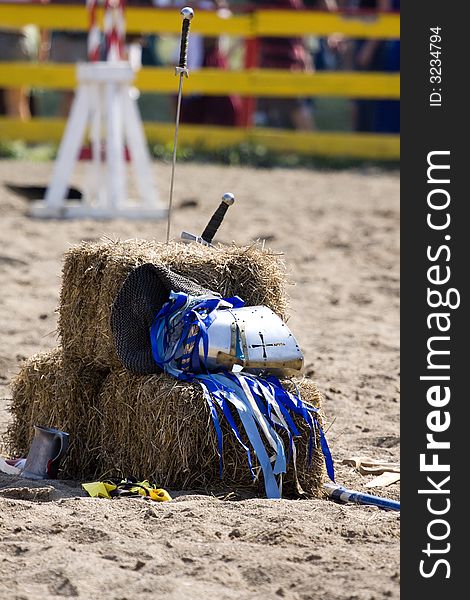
376,55
388,111
15,46
142,43
327,52
68,46
206,52
291,54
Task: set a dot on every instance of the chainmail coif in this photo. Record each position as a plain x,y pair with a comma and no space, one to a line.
144,292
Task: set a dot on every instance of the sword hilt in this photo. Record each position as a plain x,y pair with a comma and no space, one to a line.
217,218
187,14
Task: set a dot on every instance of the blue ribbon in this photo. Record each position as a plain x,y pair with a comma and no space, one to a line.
262,403
220,394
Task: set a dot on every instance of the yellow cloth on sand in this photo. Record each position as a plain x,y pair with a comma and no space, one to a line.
104,489
99,489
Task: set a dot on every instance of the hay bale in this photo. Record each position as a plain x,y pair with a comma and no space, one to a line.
159,428
47,391
93,274
152,427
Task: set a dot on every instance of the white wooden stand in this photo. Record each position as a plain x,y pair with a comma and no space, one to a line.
104,106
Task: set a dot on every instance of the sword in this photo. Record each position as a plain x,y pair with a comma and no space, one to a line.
181,70
337,492
214,223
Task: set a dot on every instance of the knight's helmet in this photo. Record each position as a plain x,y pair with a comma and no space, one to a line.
253,337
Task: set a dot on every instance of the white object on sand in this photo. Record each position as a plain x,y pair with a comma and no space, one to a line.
12,467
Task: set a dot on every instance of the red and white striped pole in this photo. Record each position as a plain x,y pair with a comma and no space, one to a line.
114,29
94,33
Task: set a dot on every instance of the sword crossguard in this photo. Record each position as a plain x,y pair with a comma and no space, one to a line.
181,71
190,237
187,13
228,199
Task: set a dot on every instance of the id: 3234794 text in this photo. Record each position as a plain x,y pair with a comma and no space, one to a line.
435,66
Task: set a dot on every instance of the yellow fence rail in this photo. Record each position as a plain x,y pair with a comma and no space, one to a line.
353,145
254,24
252,82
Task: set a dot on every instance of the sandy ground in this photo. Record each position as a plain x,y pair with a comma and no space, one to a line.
339,234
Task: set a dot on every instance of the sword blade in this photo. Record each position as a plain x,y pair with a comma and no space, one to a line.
175,147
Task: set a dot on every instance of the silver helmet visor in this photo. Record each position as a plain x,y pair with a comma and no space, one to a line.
253,337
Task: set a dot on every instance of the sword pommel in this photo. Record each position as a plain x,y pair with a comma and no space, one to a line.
228,199
187,13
